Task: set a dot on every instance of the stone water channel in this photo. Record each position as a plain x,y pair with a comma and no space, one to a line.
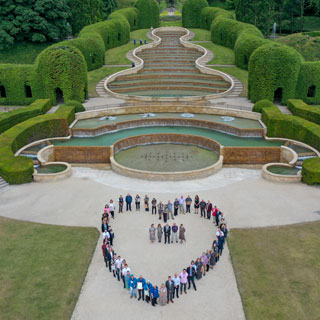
169,71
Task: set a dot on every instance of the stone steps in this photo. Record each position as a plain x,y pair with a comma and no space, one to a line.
4,185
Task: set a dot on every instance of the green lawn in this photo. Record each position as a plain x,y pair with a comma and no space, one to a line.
96,75
200,34
42,269
222,55
277,271
170,23
22,52
242,75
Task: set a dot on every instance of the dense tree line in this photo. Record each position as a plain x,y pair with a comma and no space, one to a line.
48,20
288,14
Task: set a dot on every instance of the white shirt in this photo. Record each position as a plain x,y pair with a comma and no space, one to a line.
125,270
181,201
112,206
106,234
118,263
176,281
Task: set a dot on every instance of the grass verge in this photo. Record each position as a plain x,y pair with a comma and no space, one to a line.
200,34
222,55
170,23
277,271
42,268
22,52
96,75
242,75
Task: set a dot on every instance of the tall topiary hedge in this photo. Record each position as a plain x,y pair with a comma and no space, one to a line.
130,14
17,170
302,110
245,45
311,171
11,118
209,14
148,14
225,32
273,69
63,68
14,78
308,87
191,13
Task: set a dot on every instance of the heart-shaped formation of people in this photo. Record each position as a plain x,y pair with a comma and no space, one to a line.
178,283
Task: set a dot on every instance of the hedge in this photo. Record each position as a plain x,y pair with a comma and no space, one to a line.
302,110
148,14
208,15
91,46
130,14
245,45
273,67
308,87
191,13
17,170
311,171
225,32
14,78
78,106
9,119
64,68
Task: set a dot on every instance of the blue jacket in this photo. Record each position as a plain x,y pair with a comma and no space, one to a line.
143,281
147,286
154,292
132,283
128,199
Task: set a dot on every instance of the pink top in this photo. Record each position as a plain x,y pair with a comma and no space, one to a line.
183,277
106,210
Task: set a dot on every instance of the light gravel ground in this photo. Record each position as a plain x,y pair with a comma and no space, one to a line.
246,199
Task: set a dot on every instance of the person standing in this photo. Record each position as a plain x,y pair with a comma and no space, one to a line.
152,233
113,265
203,206
209,209
154,295
196,204
191,274
112,208
120,201
160,210
147,290
111,237
183,281
159,232
204,260
128,202
212,260
188,204
146,203
125,270
199,266
182,232
154,206
218,217
137,201
176,206
162,295
118,264
104,225
127,279
176,282
133,286
141,282
174,233
167,233
181,205
170,290
169,205
165,213
109,257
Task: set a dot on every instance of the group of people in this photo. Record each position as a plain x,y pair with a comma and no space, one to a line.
139,287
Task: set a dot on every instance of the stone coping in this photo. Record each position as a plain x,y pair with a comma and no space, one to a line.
188,122
292,158
47,177
198,65
266,174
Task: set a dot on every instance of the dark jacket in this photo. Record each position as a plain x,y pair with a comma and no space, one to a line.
193,271
170,285
128,199
167,231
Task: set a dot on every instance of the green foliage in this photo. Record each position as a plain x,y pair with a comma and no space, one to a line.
11,118
148,13
245,45
33,20
163,5
17,170
130,14
311,171
64,68
208,15
273,67
302,110
191,13
14,78
308,88
78,106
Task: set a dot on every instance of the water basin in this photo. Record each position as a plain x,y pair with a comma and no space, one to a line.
51,168
283,170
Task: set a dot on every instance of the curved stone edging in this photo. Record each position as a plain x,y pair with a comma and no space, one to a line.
168,138
266,174
198,65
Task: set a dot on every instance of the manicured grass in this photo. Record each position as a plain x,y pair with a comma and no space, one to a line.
277,271
200,34
22,52
117,55
222,55
42,268
96,75
170,23
242,75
